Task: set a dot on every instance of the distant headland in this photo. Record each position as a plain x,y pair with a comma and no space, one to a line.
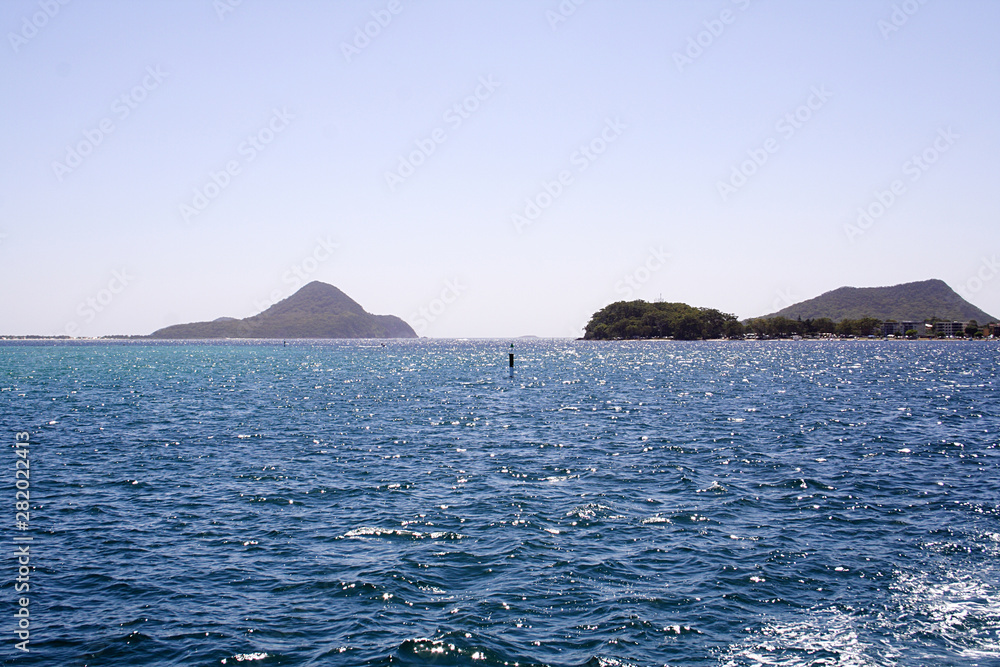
924,301
928,308
317,310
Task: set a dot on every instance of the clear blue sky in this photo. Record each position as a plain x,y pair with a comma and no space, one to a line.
715,153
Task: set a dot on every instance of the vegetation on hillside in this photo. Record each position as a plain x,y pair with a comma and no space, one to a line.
916,302
783,327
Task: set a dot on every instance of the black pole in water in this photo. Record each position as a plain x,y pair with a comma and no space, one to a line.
512,360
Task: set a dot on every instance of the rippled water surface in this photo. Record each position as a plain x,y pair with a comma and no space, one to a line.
648,503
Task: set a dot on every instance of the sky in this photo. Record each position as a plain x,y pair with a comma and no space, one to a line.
489,168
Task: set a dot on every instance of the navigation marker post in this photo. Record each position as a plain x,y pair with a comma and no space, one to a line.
511,355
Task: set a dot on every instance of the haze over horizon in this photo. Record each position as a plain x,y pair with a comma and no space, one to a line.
521,163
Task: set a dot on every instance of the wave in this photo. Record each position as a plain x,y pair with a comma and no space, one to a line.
373,531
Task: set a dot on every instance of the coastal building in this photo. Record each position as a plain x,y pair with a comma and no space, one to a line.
900,328
949,328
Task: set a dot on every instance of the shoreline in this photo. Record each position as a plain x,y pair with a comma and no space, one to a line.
146,339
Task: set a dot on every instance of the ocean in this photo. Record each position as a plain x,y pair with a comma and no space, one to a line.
407,503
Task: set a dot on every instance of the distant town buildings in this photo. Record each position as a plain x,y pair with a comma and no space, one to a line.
900,328
937,328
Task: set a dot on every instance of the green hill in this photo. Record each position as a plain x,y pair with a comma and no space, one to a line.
317,310
914,302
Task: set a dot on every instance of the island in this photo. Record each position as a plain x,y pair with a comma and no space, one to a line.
640,319
317,310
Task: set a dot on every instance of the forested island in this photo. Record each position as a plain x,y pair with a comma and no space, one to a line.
640,319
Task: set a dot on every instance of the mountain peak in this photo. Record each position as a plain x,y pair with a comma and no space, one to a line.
315,297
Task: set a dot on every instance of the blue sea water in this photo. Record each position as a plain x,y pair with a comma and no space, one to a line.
616,503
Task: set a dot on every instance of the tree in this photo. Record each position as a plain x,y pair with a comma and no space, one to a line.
757,326
868,326
689,327
712,322
845,328
732,329
824,325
